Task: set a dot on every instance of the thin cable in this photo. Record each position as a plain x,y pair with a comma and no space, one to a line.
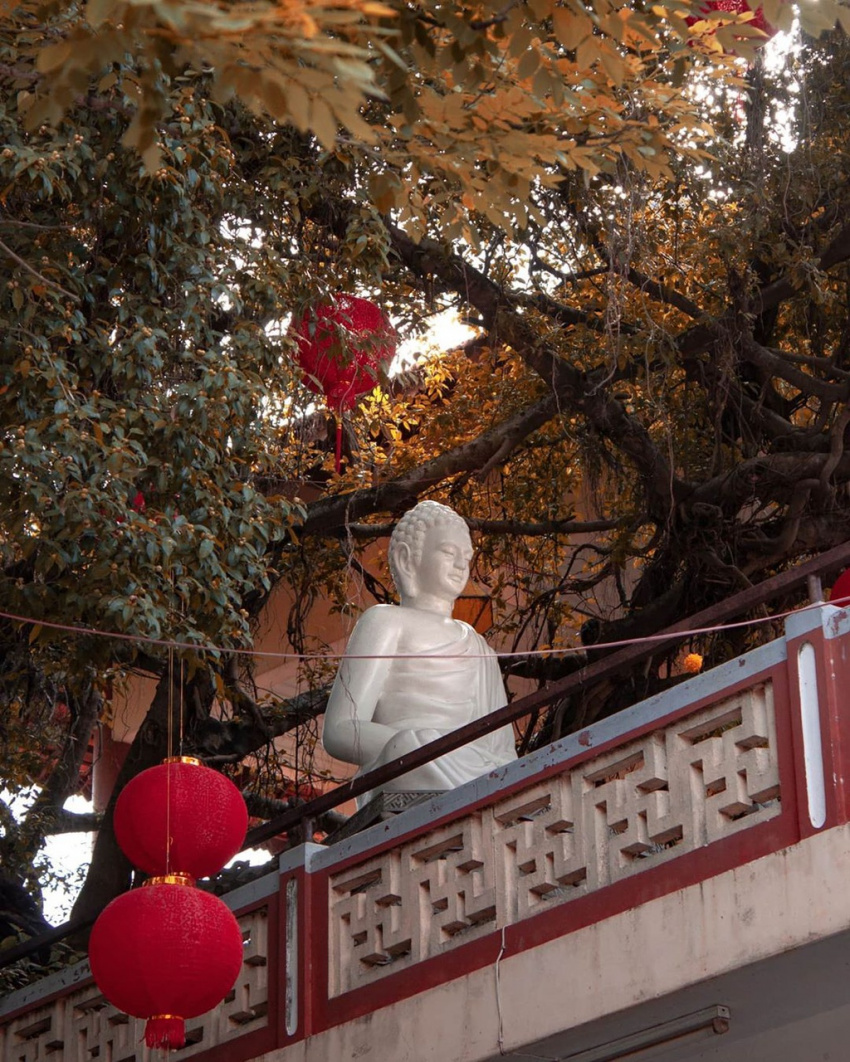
169,739
169,765
501,1040
267,654
181,712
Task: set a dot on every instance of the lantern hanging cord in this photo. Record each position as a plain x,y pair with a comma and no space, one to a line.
181,708
664,636
169,765
170,740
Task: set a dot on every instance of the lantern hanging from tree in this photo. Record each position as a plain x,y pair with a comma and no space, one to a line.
342,345
169,951
733,7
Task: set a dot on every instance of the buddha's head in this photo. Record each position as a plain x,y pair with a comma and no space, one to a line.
430,552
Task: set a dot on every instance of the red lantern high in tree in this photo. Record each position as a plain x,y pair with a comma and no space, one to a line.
168,951
733,7
341,347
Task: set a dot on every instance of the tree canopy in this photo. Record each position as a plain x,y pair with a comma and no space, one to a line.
643,221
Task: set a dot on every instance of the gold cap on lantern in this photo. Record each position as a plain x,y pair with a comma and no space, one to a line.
175,878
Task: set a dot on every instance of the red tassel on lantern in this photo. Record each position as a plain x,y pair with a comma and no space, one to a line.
166,952
180,817
341,346
165,1032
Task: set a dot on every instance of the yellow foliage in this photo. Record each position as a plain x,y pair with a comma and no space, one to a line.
530,91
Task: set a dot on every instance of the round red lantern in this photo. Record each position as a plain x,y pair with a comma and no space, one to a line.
840,594
341,346
733,7
180,817
166,952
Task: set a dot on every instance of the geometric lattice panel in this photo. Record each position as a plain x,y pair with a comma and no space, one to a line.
683,786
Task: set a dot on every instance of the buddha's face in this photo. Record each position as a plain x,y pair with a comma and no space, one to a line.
443,569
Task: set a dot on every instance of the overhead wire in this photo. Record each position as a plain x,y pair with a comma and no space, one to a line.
200,647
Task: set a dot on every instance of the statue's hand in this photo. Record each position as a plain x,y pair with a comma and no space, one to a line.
405,741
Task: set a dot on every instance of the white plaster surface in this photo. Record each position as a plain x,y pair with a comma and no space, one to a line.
807,676
833,621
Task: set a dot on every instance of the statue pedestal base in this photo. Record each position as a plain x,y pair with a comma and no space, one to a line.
381,807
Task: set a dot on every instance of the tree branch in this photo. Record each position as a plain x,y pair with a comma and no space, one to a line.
773,363
838,251
567,315
498,527
698,339
34,272
47,808
74,822
331,514
656,290
768,477
580,391
222,741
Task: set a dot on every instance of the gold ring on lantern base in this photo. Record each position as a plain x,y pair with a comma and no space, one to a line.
171,879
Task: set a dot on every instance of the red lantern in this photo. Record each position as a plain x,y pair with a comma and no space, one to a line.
841,591
341,346
180,817
166,952
733,7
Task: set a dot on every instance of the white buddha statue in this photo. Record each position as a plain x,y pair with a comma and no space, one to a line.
411,673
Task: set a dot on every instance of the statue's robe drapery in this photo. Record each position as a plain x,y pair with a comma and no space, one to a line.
434,693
